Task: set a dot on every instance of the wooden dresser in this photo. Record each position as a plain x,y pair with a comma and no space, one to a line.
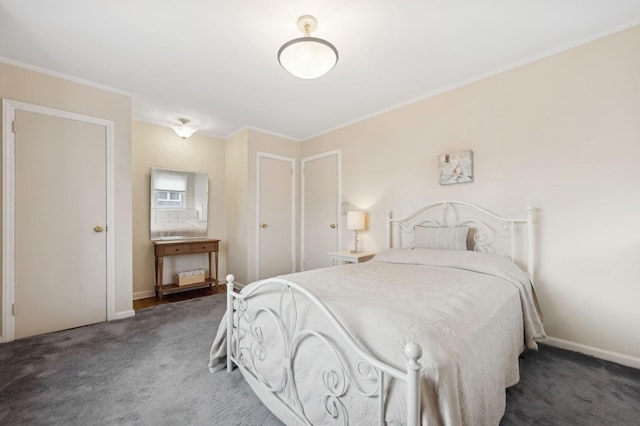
177,247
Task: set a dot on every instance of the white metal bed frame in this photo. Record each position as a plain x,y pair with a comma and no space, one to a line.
487,229
248,349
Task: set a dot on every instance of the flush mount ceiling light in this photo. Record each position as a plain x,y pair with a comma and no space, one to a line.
184,131
308,57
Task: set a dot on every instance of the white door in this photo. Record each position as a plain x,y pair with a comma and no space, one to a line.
276,215
321,209
60,223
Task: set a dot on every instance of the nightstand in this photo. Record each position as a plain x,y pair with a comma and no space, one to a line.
346,256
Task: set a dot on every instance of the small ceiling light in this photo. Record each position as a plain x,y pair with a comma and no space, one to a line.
185,130
308,57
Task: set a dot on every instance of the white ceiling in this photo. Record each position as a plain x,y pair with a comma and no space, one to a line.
214,61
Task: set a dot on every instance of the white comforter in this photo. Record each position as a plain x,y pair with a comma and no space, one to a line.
472,313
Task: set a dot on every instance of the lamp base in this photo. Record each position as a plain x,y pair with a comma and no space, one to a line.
355,244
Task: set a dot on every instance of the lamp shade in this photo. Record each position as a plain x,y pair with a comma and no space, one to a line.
355,221
184,131
308,57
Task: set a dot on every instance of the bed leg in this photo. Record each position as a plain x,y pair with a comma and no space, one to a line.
413,351
230,279
381,399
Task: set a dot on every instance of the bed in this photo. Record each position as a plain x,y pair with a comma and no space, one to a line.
427,332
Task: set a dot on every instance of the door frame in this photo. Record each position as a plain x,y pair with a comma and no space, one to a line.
338,154
9,108
260,155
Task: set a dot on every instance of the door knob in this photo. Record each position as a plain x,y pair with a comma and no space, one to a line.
332,226
98,229
263,225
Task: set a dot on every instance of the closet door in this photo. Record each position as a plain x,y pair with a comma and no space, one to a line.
320,209
60,224
276,215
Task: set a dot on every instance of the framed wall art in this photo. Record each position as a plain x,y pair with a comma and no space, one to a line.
456,167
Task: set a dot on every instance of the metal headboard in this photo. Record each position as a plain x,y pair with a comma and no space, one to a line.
489,233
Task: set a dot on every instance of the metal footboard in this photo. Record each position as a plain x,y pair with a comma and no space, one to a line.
246,349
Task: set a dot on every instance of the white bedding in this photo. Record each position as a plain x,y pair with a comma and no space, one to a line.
472,313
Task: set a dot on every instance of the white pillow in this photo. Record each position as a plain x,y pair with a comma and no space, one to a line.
440,238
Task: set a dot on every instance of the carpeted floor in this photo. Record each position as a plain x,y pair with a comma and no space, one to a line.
152,370
559,387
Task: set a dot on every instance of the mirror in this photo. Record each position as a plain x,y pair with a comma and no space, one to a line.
179,204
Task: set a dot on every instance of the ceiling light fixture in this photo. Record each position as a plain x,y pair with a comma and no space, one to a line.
308,57
184,131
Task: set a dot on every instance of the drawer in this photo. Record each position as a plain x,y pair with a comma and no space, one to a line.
204,247
177,249
188,213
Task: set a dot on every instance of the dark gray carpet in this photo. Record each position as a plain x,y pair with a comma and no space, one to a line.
559,387
152,370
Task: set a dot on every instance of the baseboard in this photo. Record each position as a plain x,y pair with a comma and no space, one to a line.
144,294
616,357
124,314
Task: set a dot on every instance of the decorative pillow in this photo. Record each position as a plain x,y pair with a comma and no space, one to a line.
440,238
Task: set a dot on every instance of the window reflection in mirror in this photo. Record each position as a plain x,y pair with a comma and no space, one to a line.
179,204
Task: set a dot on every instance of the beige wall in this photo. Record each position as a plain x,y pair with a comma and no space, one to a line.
231,165
237,208
561,134
156,146
36,88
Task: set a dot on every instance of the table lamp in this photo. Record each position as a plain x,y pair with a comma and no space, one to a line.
355,222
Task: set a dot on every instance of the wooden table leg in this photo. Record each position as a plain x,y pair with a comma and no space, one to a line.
210,271
159,273
155,283
216,264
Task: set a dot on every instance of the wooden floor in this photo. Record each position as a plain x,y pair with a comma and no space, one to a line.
177,296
